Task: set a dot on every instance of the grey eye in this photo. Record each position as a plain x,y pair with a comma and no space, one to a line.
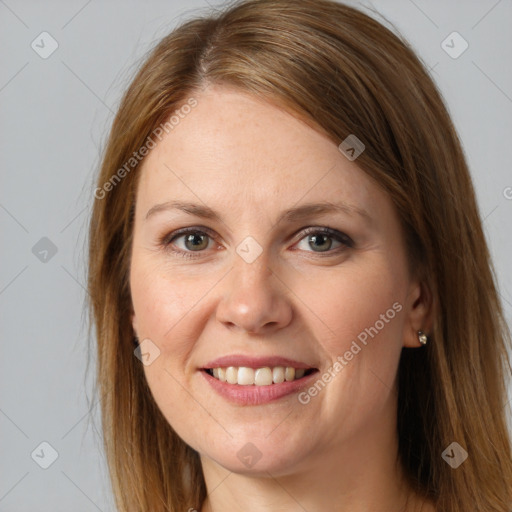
320,242
194,241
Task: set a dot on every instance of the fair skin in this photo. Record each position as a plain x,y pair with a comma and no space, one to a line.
302,298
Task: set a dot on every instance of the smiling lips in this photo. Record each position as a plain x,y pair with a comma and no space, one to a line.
251,381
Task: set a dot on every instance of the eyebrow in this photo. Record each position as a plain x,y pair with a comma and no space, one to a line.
290,215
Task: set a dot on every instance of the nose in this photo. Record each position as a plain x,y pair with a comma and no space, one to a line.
254,298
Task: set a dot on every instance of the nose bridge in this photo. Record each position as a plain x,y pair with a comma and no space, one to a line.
255,298
252,267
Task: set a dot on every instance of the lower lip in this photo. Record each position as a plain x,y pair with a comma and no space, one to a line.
256,395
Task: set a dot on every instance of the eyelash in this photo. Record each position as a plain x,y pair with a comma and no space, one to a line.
167,240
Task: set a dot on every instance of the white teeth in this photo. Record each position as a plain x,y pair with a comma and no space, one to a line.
289,374
232,375
245,376
265,376
278,375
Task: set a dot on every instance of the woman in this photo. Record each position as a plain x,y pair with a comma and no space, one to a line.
294,303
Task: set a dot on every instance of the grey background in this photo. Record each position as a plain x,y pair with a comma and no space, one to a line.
55,115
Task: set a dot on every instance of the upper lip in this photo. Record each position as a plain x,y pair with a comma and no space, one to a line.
255,362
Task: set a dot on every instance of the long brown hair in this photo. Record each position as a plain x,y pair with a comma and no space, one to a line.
346,74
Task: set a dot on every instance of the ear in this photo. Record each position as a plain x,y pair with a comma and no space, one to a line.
419,313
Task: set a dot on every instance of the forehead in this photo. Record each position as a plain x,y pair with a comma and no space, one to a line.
236,149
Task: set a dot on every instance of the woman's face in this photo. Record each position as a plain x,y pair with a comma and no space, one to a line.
257,287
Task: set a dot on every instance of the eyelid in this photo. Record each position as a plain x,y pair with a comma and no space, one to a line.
169,238
185,231
331,232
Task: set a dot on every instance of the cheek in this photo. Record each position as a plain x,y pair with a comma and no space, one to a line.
362,308
164,307
360,303
361,314
164,304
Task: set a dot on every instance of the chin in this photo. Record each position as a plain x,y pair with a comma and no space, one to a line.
256,456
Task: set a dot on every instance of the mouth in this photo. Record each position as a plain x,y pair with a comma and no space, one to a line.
247,380
264,376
